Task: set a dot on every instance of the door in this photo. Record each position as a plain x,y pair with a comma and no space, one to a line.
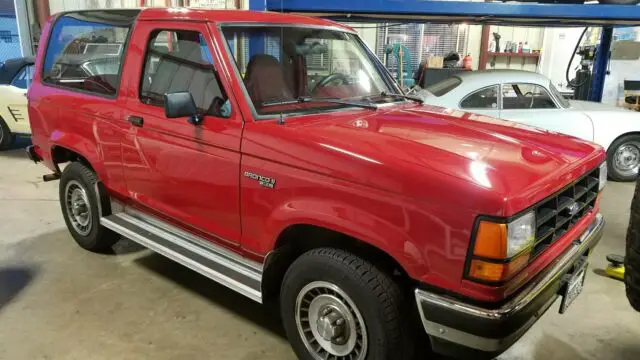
184,172
15,98
532,104
483,101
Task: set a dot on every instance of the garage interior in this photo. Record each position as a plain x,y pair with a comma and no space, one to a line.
60,302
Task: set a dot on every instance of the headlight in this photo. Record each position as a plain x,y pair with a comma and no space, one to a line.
521,233
603,176
501,250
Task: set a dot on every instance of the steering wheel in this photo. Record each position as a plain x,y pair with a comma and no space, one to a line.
532,98
330,79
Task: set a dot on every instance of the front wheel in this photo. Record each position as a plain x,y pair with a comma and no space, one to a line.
335,305
623,158
632,256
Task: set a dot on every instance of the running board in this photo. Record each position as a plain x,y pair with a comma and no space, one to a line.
200,255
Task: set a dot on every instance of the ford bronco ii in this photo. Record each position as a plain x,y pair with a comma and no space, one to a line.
275,155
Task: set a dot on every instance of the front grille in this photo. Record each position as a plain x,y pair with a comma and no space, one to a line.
554,215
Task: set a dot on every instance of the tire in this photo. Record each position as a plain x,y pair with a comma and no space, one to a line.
378,309
77,186
632,256
6,137
624,154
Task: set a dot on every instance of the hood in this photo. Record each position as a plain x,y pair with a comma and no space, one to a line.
427,151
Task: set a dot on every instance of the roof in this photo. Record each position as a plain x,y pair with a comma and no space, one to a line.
490,77
10,68
243,16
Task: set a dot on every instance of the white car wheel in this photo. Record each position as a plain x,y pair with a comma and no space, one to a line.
624,158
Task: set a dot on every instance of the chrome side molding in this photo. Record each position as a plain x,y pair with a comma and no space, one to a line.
198,254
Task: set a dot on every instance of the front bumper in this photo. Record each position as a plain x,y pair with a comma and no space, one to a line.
460,329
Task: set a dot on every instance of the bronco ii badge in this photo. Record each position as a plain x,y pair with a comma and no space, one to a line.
262,180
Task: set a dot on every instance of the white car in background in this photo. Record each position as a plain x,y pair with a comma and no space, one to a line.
15,78
530,98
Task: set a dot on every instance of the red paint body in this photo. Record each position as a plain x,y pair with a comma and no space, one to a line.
407,179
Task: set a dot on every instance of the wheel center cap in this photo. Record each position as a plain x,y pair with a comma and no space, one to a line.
331,326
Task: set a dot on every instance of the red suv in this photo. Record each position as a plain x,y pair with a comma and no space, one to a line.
275,155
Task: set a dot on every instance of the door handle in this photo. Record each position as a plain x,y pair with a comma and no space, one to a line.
136,120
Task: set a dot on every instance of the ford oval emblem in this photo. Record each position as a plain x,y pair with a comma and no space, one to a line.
573,208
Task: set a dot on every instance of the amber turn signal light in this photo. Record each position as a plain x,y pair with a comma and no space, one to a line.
496,272
491,240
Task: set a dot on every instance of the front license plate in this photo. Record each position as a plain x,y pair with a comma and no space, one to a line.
573,288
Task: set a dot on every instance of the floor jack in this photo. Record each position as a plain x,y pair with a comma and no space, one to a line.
615,269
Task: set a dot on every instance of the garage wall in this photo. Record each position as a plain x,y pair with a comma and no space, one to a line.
558,47
620,70
533,35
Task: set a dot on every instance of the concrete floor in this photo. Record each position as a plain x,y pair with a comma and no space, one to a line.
60,302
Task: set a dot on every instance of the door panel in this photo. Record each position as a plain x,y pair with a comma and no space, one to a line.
188,173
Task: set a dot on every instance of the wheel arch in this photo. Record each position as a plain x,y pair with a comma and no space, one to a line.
62,153
296,239
608,145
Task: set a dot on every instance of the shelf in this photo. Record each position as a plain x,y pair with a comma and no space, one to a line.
514,55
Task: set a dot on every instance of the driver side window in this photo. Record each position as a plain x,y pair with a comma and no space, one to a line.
526,96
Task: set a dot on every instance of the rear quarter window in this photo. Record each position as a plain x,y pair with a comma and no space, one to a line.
86,49
442,87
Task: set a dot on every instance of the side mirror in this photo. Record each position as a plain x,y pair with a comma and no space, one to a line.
181,104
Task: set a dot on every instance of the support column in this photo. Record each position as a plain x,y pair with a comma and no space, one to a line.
484,47
600,64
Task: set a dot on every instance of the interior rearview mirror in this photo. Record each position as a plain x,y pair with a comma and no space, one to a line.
181,104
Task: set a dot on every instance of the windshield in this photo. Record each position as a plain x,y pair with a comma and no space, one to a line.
563,100
281,64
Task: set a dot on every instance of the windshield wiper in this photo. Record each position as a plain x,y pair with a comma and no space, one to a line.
307,99
403,96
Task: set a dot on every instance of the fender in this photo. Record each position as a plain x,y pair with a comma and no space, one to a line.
607,131
82,146
352,221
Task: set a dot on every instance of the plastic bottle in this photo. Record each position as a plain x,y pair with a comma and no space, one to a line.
467,62
526,48
519,48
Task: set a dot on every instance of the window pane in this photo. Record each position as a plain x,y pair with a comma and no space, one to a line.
282,64
482,99
179,61
85,50
442,87
526,96
23,78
